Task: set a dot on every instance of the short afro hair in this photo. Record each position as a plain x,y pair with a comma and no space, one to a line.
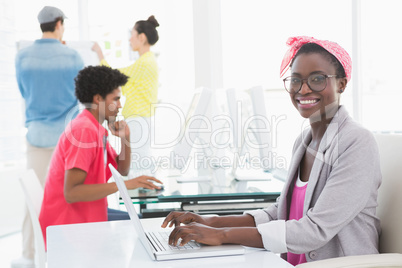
100,80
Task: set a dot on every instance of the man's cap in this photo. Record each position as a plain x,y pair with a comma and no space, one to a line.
50,14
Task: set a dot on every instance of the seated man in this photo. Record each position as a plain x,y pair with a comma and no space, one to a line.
76,186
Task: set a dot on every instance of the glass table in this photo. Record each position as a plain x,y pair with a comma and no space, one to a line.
207,195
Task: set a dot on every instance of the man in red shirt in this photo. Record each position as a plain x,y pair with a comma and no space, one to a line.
76,187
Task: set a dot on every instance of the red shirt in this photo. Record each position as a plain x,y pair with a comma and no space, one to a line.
80,146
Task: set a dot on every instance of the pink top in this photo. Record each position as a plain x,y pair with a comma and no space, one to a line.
80,146
296,213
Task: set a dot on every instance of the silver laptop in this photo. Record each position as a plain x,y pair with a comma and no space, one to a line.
155,242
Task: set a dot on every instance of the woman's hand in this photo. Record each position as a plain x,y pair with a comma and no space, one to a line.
197,232
213,230
98,51
176,218
143,181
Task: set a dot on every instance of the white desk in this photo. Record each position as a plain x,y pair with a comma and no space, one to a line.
115,244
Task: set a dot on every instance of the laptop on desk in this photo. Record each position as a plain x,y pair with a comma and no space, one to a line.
155,242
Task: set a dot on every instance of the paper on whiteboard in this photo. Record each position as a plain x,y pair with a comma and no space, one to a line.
84,48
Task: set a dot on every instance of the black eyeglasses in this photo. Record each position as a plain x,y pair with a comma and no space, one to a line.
316,82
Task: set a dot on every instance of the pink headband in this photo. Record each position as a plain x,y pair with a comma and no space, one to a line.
297,42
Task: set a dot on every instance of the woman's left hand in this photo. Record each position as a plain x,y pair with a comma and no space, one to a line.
197,232
97,49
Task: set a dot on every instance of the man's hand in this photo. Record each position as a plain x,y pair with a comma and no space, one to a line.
119,129
143,181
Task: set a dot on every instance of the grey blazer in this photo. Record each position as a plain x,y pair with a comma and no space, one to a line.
339,215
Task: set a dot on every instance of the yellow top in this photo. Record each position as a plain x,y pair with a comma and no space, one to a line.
141,89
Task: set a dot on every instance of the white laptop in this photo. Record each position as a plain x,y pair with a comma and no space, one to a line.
155,242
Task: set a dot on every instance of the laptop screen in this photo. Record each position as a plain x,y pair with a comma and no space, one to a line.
131,210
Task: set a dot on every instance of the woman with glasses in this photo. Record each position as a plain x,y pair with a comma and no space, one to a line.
328,204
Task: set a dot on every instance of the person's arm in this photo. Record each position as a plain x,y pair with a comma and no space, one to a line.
121,130
76,191
98,51
18,76
246,236
244,220
352,176
176,218
78,160
129,70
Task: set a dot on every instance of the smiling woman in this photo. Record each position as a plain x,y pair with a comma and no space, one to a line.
334,155
317,97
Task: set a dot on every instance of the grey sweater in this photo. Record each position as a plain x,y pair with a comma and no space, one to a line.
339,215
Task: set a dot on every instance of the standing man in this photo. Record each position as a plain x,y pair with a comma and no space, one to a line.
45,74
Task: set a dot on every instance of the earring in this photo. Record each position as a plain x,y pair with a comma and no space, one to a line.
341,91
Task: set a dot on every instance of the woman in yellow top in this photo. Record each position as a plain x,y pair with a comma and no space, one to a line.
140,91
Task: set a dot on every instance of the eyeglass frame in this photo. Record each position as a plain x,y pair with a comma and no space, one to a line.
306,79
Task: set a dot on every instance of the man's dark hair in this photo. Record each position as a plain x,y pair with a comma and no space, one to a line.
314,48
100,80
50,26
148,27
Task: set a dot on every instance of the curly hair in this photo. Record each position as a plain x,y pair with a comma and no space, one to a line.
314,48
100,80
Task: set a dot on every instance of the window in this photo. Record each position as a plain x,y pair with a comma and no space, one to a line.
254,35
380,65
11,116
174,50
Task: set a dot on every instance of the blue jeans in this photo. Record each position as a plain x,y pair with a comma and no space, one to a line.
116,215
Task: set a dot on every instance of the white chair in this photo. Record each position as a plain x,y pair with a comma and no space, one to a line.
33,192
389,211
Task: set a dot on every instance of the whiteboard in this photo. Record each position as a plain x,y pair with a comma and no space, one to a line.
84,48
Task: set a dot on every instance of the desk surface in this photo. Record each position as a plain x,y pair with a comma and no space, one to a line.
115,244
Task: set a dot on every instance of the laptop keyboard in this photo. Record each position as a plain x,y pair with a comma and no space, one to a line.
160,240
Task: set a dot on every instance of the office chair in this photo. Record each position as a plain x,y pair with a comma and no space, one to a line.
389,211
33,192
